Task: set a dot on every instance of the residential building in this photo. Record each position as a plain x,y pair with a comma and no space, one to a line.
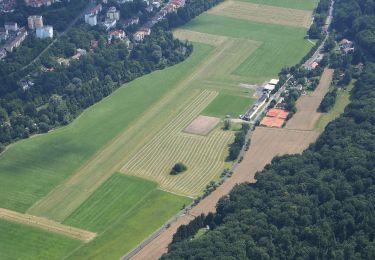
14,43
3,54
113,14
117,34
96,10
44,32
35,21
11,26
140,35
131,21
91,19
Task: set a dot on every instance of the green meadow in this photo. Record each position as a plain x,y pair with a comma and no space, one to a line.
294,4
132,227
225,104
19,241
280,45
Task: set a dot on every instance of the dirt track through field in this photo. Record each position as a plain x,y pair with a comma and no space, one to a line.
47,224
263,13
307,106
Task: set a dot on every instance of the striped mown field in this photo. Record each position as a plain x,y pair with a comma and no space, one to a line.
203,155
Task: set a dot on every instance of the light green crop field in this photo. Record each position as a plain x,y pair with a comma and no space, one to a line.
133,227
31,168
294,4
19,241
119,195
280,46
225,104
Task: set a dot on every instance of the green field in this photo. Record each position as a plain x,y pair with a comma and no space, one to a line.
31,168
280,45
118,196
133,227
342,100
24,242
294,4
225,104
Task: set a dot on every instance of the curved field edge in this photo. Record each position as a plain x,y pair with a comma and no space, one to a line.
49,159
18,241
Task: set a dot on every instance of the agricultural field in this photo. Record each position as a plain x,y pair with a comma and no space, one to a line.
295,4
19,241
263,13
204,156
342,100
276,46
115,198
133,227
225,104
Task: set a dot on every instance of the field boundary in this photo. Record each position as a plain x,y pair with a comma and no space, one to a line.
46,224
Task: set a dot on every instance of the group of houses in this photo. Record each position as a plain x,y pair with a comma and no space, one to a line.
346,46
11,35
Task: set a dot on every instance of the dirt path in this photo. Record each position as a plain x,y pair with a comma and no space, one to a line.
47,224
307,106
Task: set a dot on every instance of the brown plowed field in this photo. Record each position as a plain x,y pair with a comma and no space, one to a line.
307,106
47,224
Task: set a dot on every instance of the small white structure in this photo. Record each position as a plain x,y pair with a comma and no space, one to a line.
11,26
274,81
44,32
108,24
91,19
269,87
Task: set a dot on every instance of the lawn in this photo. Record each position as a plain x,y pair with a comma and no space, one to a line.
119,195
342,100
280,46
31,168
225,104
24,242
294,4
133,227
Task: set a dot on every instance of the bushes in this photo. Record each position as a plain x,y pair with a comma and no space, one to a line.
239,141
328,101
178,168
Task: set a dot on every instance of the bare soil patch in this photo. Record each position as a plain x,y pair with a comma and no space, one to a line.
264,13
47,224
307,106
202,125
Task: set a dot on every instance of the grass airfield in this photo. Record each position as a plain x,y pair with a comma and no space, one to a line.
68,175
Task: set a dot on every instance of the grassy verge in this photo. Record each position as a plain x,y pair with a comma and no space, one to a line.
225,104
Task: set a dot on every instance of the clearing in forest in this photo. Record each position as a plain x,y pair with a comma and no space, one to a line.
263,13
204,156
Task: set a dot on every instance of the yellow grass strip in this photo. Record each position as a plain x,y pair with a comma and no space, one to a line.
47,224
264,13
211,39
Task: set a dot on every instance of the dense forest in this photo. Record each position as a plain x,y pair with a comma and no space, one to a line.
58,93
318,205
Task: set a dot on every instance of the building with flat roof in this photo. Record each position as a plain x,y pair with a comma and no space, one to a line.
35,21
44,32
